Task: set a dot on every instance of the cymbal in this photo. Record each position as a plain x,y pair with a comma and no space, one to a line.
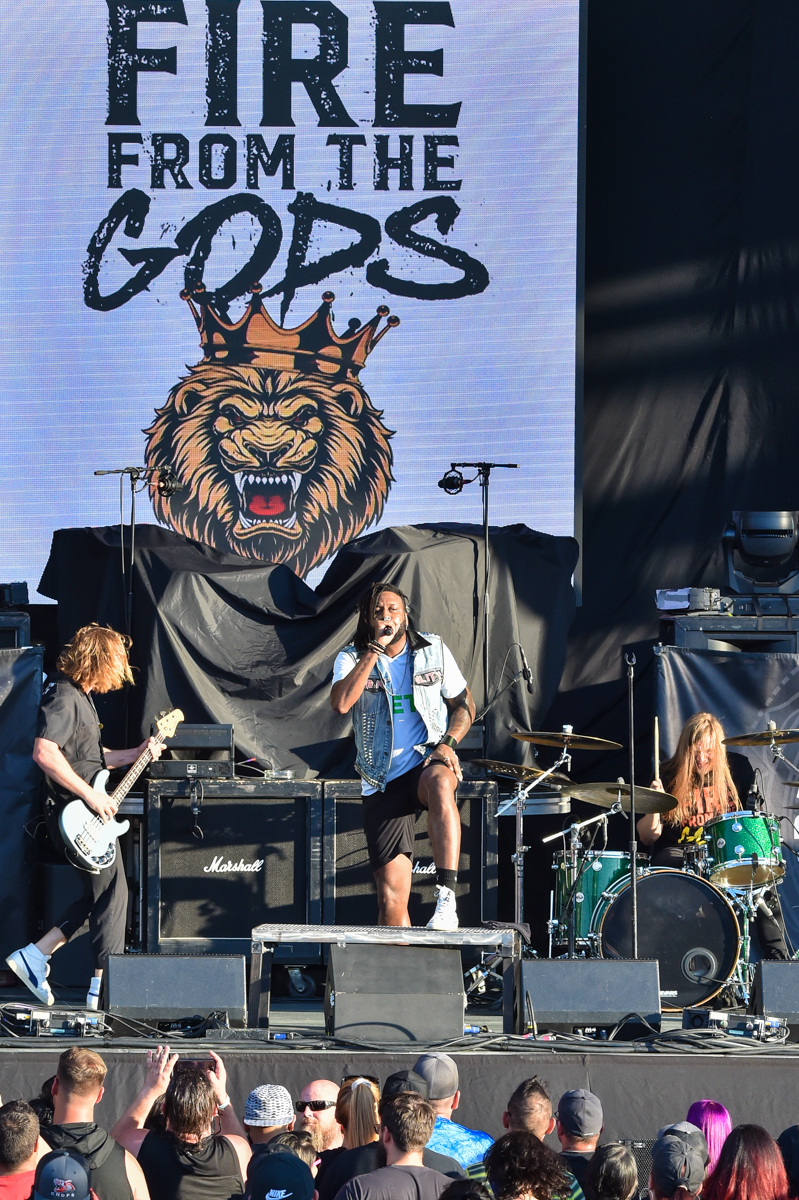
513,771
789,783
647,800
778,736
574,741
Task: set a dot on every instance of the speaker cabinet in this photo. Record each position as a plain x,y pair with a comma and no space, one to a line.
169,987
776,993
562,994
349,890
394,993
227,855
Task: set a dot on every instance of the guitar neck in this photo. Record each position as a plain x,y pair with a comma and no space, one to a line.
145,758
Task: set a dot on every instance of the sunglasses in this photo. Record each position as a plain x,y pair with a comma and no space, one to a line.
351,1079
314,1105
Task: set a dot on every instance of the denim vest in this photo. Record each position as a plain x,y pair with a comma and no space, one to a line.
372,719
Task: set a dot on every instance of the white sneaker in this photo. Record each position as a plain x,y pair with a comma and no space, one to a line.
93,994
32,967
445,917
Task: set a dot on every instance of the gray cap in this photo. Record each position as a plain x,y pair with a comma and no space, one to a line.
676,1163
690,1134
580,1113
439,1073
268,1105
405,1081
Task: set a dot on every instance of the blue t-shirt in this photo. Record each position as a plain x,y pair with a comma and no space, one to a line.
466,1145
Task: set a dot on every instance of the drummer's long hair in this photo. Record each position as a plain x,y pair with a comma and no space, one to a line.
681,778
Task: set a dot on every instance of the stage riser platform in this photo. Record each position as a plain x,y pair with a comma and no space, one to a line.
639,1091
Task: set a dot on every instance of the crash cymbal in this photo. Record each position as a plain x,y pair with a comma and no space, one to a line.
778,736
574,741
513,771
647,800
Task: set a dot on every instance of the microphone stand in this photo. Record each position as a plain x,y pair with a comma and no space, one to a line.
484,470
630,661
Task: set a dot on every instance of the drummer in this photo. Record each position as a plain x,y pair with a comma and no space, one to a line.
700,775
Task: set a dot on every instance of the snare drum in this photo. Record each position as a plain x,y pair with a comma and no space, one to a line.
601,869
744,849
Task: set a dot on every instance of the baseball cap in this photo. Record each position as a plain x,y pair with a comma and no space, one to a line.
676,1163
269,1104
62,1175
690,1134
580,1113
282,1175
439,1073
406,1080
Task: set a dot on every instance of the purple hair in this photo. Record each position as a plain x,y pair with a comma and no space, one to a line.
715,1122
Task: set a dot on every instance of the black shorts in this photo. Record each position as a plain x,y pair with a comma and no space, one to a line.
389,818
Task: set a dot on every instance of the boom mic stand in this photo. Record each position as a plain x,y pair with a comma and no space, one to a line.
453,483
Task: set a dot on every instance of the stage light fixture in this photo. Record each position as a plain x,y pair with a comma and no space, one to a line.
766,542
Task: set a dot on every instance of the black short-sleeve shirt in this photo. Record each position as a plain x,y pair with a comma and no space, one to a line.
68,717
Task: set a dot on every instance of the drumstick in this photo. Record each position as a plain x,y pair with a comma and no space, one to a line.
657,751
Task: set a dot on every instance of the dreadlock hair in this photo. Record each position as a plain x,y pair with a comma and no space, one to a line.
363,632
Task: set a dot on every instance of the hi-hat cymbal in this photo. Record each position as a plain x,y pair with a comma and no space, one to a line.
647,800
513,771
574,741
778,736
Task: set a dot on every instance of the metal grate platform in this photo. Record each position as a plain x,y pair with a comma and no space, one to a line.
505,940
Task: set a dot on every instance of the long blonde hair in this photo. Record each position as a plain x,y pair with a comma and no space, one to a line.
682,779
96,659
356,1112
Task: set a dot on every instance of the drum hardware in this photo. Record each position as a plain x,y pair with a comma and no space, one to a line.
512,771
578,864
599,870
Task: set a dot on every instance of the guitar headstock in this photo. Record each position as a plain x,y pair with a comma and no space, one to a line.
167,722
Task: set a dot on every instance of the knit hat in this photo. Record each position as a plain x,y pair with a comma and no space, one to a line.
270,1104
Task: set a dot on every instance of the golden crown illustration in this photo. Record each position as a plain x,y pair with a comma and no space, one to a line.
313,347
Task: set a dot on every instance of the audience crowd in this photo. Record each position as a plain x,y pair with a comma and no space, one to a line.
181,1139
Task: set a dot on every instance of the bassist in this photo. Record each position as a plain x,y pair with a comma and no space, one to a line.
69,751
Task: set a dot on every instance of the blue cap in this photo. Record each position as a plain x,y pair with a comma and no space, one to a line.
62,1175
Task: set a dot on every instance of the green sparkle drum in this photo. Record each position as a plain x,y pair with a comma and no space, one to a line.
601,870
744,849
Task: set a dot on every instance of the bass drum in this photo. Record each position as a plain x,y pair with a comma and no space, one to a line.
684,922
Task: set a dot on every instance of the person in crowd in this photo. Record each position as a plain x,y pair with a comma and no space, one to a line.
407,1121
69,751
440,1073
678,1166
530,1110
519,1166
78,1087
788,1142
406,748
188,1161
750,1167
356,1112
20,1150
699,774
63,1175
280,1175
580,1122
466,1189
316,1109
715,1122
42,1104
267,1113
298,1142
372,1155
612,1173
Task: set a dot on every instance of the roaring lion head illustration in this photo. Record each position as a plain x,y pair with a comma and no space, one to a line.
279,465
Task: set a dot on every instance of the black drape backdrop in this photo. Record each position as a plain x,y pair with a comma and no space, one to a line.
233,641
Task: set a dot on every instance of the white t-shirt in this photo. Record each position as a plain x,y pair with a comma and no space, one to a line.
409,728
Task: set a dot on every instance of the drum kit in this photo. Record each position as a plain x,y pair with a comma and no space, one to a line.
695,921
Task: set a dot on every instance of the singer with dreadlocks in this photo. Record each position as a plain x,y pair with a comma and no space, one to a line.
410,707
701,776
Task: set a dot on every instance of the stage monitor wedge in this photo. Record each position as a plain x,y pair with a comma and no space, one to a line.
776,993
175,987
562,995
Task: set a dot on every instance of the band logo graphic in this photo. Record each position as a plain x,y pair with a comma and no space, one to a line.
427,869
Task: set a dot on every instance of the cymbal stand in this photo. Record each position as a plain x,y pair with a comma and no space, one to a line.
574,831
520,795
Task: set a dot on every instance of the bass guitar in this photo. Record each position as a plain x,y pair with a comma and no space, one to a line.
90,843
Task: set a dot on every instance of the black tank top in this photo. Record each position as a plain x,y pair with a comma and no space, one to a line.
175,1170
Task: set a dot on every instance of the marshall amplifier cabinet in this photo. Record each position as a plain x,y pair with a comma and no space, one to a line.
349,891
226,855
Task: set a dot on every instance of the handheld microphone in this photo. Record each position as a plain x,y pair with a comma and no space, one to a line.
526,672
386,631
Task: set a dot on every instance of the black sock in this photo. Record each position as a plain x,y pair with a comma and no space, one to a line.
446,878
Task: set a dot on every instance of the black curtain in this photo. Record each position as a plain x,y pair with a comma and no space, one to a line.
691,348
230,640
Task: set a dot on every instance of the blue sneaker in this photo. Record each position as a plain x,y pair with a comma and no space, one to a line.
32,967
